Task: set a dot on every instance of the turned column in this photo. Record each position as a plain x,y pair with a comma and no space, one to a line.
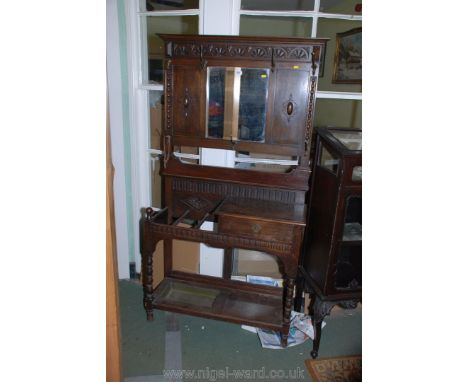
148,284
148,246
288,300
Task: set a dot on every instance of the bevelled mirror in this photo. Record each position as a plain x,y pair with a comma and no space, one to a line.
237,103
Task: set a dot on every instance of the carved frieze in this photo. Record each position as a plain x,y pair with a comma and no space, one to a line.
221,50
232,189
282,250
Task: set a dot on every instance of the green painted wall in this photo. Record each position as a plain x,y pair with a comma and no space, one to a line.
337,113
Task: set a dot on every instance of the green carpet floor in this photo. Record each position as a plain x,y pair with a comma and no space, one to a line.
216,344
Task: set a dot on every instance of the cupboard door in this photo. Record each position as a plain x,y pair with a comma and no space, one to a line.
290,110
188,91
348,274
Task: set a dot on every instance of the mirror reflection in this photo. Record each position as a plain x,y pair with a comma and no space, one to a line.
237,103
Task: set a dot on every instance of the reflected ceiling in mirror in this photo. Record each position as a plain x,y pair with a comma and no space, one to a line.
237,103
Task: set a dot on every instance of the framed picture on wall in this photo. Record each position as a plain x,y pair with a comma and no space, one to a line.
347,68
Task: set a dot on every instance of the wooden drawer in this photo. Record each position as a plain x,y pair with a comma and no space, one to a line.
256,228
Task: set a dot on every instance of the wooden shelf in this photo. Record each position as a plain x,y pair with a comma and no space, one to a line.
225,303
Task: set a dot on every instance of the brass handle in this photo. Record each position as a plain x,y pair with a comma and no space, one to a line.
289,108
186,101
256,228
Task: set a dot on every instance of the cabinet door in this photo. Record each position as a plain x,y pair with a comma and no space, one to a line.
290,110
348,275
188,93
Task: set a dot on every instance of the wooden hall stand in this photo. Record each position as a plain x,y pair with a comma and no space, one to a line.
247,94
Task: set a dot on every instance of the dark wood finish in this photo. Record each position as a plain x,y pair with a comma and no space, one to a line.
227,264
273,221
287,213
296,180
328,257
216,281
253,209
290,99
255,228
262,148
187,100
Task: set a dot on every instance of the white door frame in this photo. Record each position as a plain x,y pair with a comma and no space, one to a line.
114,86
215,17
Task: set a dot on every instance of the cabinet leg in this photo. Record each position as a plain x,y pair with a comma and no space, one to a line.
320,310
317,336
148,285
288,297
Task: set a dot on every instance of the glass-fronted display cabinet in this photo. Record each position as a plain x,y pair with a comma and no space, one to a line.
331,268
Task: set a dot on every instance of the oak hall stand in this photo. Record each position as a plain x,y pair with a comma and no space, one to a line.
331,266
250,95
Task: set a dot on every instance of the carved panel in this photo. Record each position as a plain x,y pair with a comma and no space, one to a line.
283,251
288,128
289,107
186,98
197,203
294,53
186,50
233,50
232,189
221,240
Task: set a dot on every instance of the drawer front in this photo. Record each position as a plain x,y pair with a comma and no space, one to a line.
259,229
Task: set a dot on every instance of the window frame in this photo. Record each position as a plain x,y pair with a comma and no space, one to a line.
142,155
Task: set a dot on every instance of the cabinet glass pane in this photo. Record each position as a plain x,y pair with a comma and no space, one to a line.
328,28
155,46
237,101
275,26
328,160
352,140
356,175
168,5
341,6
289,5
349,267
353,219
338,113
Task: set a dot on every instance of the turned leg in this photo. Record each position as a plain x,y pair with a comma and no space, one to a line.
288,297
299,291
320,310
148,284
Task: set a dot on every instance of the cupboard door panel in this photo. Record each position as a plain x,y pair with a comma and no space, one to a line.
188,93
290,110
